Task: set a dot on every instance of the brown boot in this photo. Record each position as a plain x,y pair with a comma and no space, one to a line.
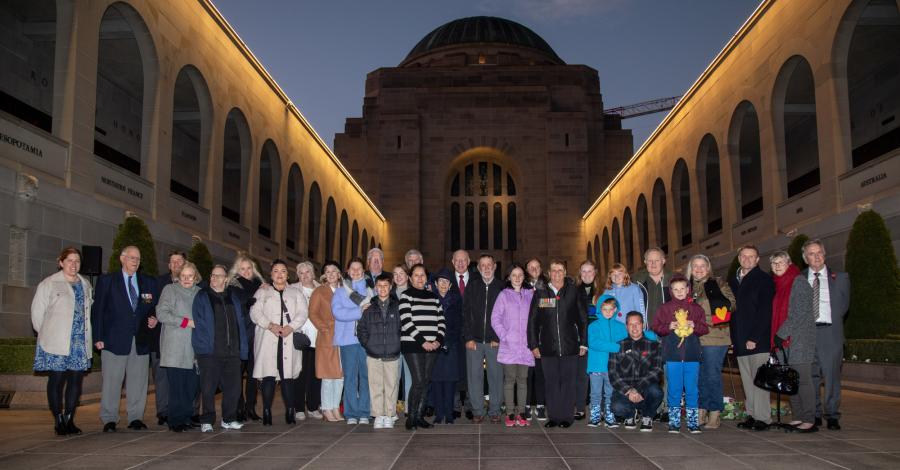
703,416
713,420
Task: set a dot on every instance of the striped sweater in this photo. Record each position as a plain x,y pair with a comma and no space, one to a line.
421,319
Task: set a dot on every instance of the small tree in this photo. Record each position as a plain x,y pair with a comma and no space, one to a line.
795,250
200,256
133,231
733,268
874,279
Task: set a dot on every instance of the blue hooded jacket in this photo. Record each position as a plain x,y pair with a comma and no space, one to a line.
604,336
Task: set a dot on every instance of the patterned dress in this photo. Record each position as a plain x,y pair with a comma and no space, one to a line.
78,357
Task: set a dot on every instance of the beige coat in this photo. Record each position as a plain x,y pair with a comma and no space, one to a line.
53,312
267,309
718,335
328,356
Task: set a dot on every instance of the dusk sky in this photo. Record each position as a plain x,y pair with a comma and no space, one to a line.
320,52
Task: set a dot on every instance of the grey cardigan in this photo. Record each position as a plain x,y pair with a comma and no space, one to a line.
175,304
800,324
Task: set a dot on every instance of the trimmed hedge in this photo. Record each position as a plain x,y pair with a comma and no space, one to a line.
875,350
133,231
200,256
874,279
17,356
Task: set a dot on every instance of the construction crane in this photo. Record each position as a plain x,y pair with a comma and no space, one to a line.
643,109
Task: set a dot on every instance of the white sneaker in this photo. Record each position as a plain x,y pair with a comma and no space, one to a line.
394,420
388,422
363,420
379,422
352,421
206,427
315,414
232,425
300,415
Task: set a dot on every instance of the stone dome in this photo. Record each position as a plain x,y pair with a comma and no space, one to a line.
482,30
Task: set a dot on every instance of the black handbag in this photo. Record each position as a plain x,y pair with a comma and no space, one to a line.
777,377
301,341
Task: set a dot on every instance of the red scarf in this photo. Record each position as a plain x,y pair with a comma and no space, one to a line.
782,299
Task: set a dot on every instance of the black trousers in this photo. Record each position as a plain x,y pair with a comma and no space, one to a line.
420,365
308,388
268,392
182,390
536,385
559,379
71,380
224,373
444,395
248,399
581,384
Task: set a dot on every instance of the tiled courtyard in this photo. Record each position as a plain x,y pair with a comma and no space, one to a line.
870,439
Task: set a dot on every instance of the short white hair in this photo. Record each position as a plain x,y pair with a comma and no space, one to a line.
413,252
813,241
374,251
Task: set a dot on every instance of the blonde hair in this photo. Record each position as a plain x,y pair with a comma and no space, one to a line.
626,280
192,267
235,268
689,270
312,269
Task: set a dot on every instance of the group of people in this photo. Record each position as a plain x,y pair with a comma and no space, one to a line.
619,351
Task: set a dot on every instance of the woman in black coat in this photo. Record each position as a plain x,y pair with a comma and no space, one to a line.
445,374
244,278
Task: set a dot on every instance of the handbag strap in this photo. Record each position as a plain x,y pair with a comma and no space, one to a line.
773,355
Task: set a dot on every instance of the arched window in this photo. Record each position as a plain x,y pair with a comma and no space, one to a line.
191,114
235,162
126,73
606,262
294,208
371,243
681,198
661,215
709,177
486,188
29,48
643,225
629,238
746,159
597,259
616,238
795,111
354,241
589,253
314,224
365,243
873,80
345,235
330,226
269,182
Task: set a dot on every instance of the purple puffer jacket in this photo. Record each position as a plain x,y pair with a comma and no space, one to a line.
510,321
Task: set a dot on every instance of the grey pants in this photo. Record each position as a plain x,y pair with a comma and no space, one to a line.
803,404
162,386
827,367
135,370
475,360
756,399
515,376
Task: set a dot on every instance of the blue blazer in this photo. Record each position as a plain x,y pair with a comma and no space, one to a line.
112,319
203,336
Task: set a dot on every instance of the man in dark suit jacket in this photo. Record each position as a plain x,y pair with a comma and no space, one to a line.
463,274
751,325
831,301
122,303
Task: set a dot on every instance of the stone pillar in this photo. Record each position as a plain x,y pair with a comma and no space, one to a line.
26,193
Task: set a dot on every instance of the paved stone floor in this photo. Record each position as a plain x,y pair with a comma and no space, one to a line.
870,439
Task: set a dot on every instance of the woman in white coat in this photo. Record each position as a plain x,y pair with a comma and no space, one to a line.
278,312
60,313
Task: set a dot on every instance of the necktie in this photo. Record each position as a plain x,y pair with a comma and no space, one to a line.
132,294
462,285
816,286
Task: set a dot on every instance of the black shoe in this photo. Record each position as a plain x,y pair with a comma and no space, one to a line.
267,417
137,425
747,423
759,426
818,422
579,415
109,427
70,424
566,424
251,413
421,423
180,428
429,411
833,424
241,415
469,414
527,413
60,426
551,424
456,414
541,413
805,431
411,421
289,416
162,420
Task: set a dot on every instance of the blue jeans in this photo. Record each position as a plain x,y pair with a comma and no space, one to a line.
682,377
356,381
624,408
600,388
711,377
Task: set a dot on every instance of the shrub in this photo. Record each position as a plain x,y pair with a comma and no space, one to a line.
875,350
200,256
17,356
795,250
874,279
733,268
133,231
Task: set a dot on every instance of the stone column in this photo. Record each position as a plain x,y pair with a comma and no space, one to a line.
26,194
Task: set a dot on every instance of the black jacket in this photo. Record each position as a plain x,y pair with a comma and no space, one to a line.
378,333
478,304
752,318
586,291
556,323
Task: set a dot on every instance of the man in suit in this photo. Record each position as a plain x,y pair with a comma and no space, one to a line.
123,302
176,261
751,325
831,301
374,266
462,275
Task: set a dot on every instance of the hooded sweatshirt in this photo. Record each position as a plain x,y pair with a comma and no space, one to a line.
629,298
673,348
603,338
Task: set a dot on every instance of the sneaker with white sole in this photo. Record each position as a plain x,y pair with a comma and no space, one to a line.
388,422
352,421
630,423
379,422
315,414
646,424
363,420
206,427
300,415
394,420
232,425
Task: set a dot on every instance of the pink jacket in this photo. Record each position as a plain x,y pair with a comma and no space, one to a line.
510,321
